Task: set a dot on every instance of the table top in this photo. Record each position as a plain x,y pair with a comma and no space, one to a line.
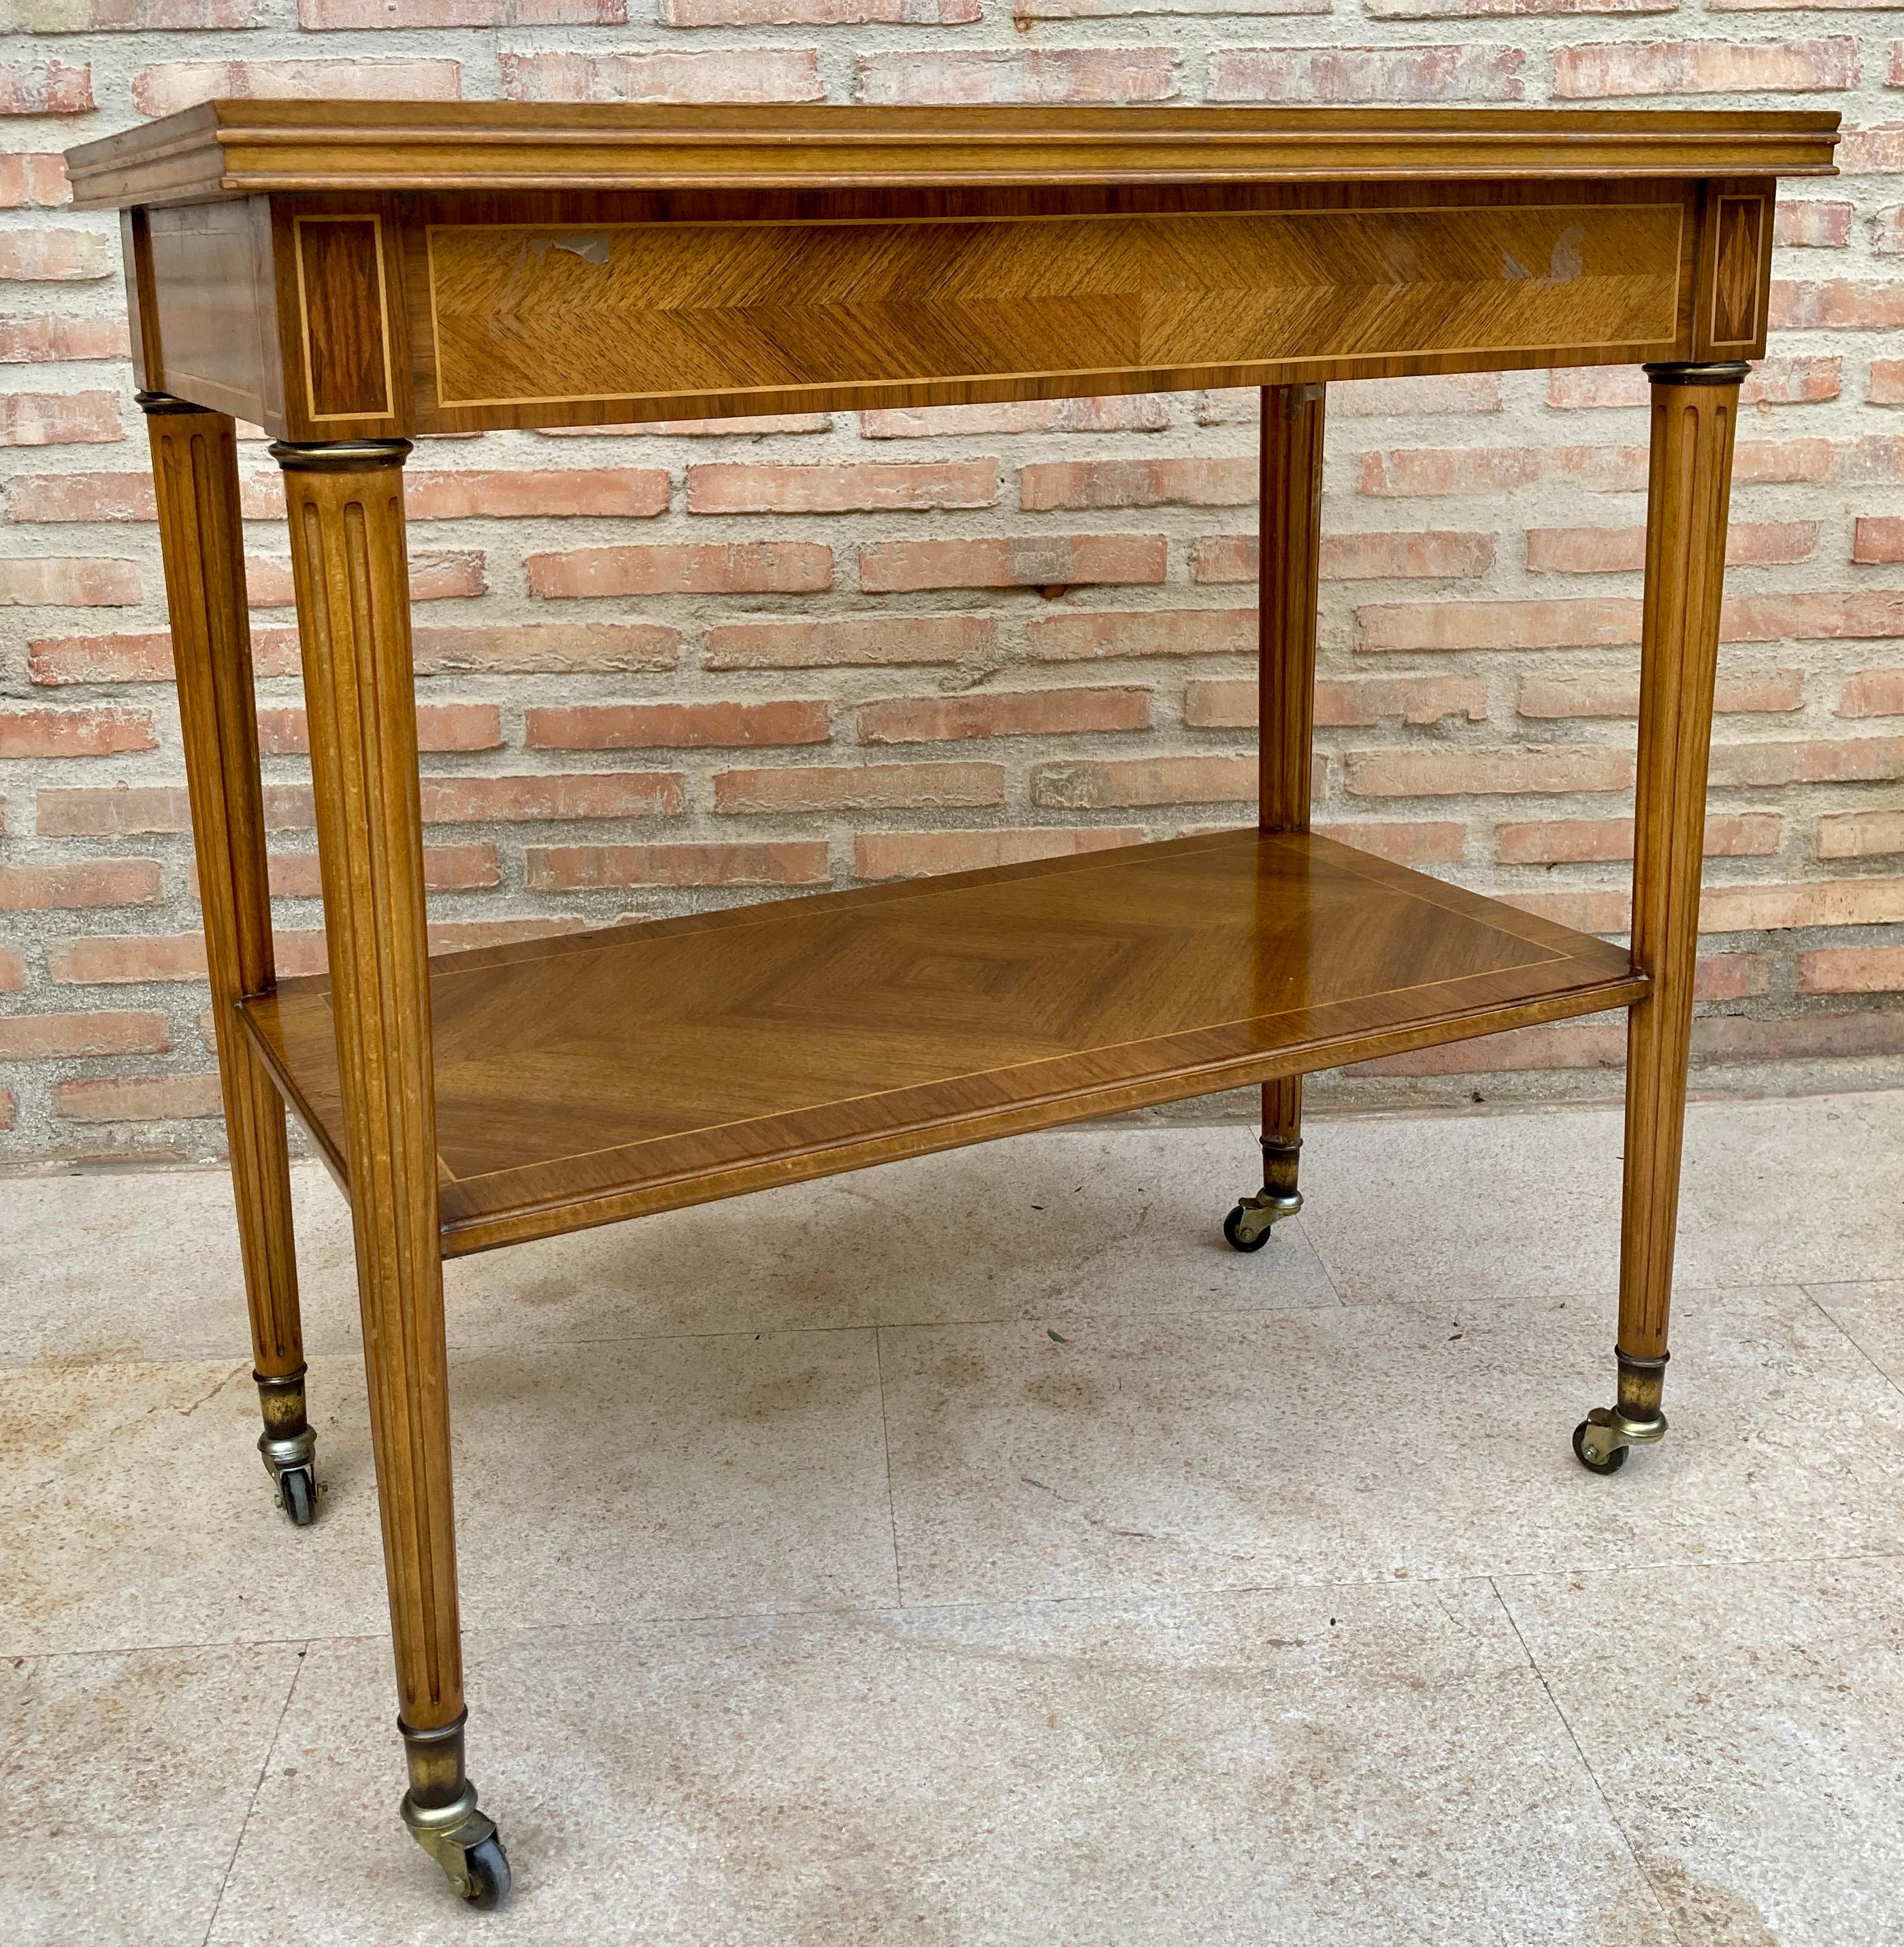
236,148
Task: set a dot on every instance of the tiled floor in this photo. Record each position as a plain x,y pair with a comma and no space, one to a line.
975,1551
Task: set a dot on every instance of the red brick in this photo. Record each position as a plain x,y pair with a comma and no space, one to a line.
1615,693
1229,702
1136,483
460,936
54,1037
1731,977
919,855
818,13
81,497
1574,841
54,661
630,726
12,971
439,575
1704,66
1830,615
1783,463
626,492
1887,386
1622,550
34,182
56,256
1028,712
1812,223
155,1098
45,87
688,567
1501,469
78,882
1496,625
123,810
283,731
1887,231
1366,398
1771,382
757,487
116,960
1842,304
1054,561
74,733
1147,632
1531,769
44,339
62,581
175,84
1809,761
728,74
1860,834
1827,903
447,868
320,15
1878,537
1873,693
1415,841
1029,75
1851,970
1135,412
554,794
59,419
9,1109
1362,557
858,786
544,648
886,639
570,868
1095,785
1476,70
151,16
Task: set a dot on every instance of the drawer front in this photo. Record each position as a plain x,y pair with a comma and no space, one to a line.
667,320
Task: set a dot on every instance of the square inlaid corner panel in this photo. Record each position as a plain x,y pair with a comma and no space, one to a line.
540,321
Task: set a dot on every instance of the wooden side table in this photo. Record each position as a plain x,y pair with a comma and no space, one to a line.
347,275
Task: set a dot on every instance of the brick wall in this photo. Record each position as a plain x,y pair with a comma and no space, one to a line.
695,665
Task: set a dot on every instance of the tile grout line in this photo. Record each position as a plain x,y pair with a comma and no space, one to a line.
1850,1338
1626,1839
886,1448
264,1771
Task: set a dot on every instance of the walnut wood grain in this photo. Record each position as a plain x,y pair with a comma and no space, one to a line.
209,330
201,538
345,511
227,147
1688,497
583,1079
1290,554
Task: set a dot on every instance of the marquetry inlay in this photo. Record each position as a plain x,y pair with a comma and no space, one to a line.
1735,277
344,317
522,314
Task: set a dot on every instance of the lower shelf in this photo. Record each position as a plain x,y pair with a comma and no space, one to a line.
586,1078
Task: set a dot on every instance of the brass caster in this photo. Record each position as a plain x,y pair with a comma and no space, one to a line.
291,1462
463,1842
1248,1226
1602,1439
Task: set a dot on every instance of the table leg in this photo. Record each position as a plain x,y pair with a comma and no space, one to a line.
195,472
345,502
1290,554
1696,410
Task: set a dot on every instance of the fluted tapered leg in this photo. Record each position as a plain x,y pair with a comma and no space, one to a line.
195,472
1695,416
344,504
1289,567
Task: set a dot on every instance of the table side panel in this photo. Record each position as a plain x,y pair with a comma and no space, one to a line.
529,323
207,312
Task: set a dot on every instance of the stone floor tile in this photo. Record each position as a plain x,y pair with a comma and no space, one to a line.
1871,1316
1305,1768
659,1478
1747,1724
1368,1442
124,1785
1409,1209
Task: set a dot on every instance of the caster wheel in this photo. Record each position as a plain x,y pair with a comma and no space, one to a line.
1234,1235
1611,1464
488,1868
297,1494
